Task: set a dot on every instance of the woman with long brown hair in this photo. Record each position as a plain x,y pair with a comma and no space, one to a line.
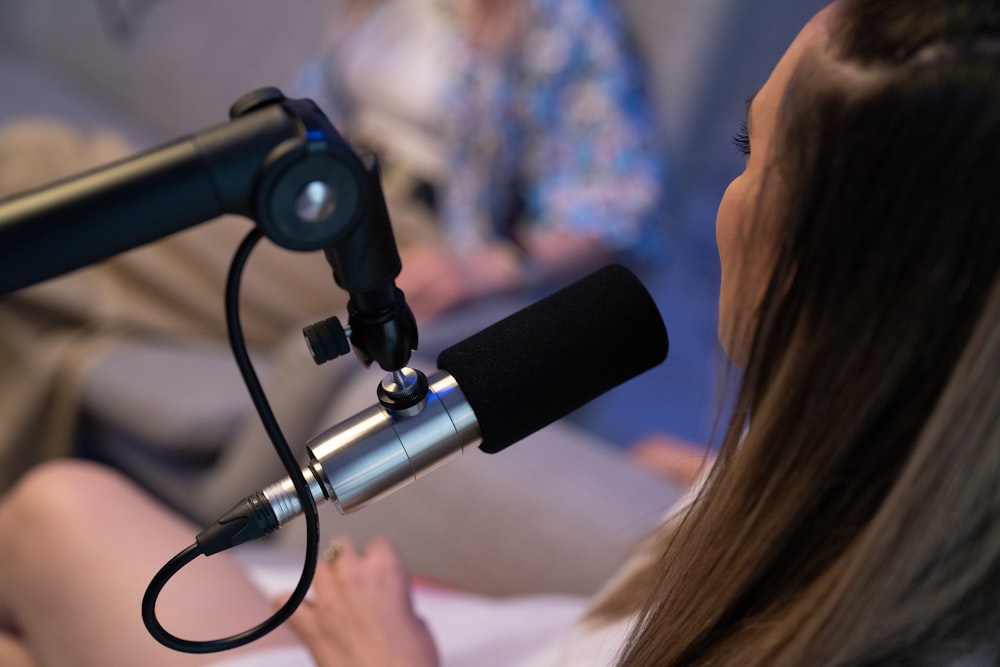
853,515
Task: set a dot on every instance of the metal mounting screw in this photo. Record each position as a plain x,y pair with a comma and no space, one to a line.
315,202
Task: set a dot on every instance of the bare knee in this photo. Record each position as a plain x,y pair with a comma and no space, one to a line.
53,496
64,480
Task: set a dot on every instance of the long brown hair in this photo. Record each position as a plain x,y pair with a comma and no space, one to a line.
853,515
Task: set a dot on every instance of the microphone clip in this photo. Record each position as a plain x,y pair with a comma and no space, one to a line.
403,392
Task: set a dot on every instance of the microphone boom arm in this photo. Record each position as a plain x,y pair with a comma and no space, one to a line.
279,162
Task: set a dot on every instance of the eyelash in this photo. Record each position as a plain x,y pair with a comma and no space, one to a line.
742,139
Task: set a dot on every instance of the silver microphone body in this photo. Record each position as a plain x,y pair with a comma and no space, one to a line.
494,388
378,451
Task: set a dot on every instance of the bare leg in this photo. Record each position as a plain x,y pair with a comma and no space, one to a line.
78,546
13,652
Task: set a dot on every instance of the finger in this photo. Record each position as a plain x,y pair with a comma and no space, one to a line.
339,549
330,552
392,575
307,623
342,565
382,554
304,621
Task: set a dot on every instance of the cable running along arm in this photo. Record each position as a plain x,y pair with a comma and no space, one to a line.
281,163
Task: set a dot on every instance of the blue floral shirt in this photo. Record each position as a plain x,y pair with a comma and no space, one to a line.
559,135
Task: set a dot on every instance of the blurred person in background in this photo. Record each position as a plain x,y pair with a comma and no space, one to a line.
518,152
520,129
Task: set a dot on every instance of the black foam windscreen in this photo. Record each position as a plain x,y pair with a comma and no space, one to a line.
543,362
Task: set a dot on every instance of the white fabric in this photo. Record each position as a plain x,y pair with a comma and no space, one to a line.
473,630
390,68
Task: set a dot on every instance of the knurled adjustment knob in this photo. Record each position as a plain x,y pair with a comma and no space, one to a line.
327,340
254,100
404,391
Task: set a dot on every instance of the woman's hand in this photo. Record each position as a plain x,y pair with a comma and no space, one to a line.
672,458
362,614
435,279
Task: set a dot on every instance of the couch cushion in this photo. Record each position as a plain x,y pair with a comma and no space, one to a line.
33,89
187,398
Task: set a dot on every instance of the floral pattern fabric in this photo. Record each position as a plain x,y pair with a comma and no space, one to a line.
557,134
560,134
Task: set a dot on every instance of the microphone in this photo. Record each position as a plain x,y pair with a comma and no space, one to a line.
491,390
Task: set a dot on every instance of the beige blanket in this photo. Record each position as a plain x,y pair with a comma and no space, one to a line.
170,289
